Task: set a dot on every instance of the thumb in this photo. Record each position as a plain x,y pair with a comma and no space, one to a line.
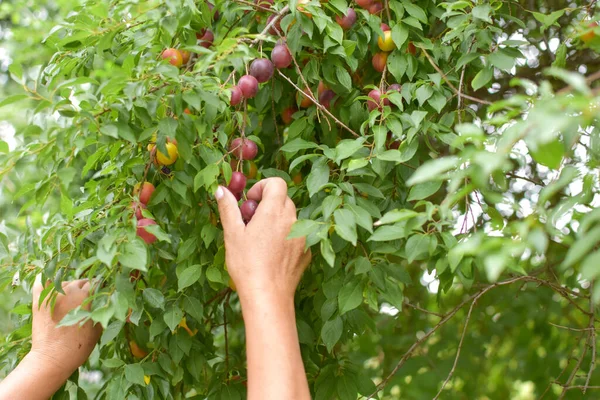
231,216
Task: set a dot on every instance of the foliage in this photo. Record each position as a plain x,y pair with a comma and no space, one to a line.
461,264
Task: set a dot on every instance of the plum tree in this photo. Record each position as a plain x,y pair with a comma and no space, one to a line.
444,182
144,191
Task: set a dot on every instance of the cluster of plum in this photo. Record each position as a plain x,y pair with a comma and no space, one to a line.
143,192
242,149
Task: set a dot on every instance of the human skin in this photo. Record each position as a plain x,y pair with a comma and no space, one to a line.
266,268
55,352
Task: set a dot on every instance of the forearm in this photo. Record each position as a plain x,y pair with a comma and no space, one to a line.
275,368
33,379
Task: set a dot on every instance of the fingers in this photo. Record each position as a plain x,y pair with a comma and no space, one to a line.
272,191
231,216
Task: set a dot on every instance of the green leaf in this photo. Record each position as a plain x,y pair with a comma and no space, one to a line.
172,317
549,154
482,12
415,11
345,225
387,233
423,190
391,217
350,297
13,99
582,247
302,228
134,255
399,34
346,388
154,298
482,78
590,267
134,373
318,177
347,148
327,252
298,144
362,216
433,170
206,177
189,276
332,332
417,246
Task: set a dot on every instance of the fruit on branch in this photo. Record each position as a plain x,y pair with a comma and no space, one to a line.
248,85
173,56
321,88
281,56
205,38
300,7
385,27
137,208
170,157
411,49
214,13
143,233
188,111
248,209
237,184
243,149
276,27
262,69
386,43
391,143
236,96
144,191
379,60
347,20
364,3
297,179
375,8
326,97
589,33
137,351
375,100
287,115
394,87
303,100
185,56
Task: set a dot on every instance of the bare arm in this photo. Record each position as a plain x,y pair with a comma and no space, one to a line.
266,268
55,352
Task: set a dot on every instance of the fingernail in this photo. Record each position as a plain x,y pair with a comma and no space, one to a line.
219,193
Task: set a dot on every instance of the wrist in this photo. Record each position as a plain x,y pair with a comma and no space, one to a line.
266,301
46,363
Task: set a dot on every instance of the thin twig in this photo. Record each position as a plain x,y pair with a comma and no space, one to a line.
454,89
423,310
319,105
460,343
592,339
571,329
574,372
257,6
